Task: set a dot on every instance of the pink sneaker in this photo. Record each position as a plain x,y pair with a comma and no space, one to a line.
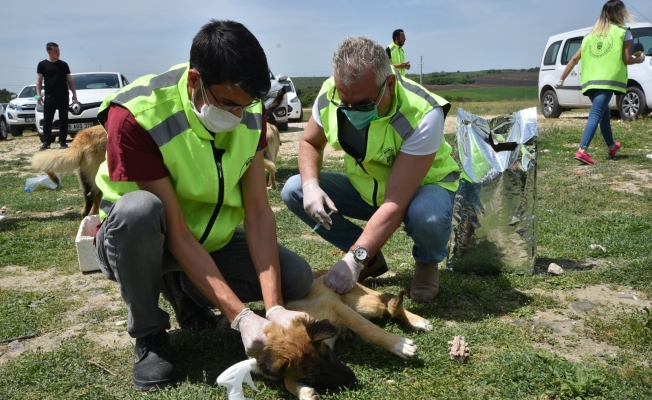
584,158
612,153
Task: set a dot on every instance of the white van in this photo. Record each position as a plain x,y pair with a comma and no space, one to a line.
558,52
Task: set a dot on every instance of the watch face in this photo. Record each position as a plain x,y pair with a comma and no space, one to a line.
360,253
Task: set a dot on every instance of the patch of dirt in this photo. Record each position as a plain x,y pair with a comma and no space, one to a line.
94,291
565,328
637,180
290,142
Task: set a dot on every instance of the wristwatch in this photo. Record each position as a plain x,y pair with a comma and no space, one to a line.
360,254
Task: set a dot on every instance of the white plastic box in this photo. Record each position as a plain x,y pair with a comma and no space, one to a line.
84,243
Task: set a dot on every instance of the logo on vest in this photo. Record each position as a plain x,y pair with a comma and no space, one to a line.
600,46
388,157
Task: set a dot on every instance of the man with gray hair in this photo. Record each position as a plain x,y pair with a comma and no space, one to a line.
398,169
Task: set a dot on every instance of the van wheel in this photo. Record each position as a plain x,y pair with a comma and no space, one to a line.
550,105
16,130
283,127
632,104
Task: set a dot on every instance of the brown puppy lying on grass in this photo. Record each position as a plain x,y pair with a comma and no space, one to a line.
87,151
303,356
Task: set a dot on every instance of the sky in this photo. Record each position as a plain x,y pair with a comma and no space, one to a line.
139,37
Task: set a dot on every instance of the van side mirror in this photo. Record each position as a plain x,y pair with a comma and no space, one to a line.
13,96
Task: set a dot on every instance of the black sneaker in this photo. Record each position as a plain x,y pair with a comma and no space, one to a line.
203,319
44,146
63,146
153,365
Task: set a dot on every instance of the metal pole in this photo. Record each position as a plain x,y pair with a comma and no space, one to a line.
421,72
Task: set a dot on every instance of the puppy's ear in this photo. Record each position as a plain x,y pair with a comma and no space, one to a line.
320,330
270,364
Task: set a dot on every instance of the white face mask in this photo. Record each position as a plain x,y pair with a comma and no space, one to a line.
214,119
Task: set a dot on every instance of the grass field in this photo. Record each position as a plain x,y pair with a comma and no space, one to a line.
489,94
586,334
507,85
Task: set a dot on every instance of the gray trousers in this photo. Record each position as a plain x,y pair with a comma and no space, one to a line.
131,249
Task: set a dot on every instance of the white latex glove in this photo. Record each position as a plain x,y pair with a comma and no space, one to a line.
559,84
313,203
343,274
250,325
283,317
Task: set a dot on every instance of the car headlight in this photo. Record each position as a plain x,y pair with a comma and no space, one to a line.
39,107
11,106
294,100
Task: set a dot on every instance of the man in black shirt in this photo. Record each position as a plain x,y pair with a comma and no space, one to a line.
57,79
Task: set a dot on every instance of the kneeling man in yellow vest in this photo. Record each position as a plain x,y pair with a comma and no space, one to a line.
184,168
398,169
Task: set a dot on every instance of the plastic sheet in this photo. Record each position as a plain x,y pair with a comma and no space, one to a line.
494,215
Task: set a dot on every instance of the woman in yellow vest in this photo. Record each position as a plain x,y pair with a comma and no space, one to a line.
605,53
398,169
184,168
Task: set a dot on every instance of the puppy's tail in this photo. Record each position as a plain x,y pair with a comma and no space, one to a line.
53,162
269,165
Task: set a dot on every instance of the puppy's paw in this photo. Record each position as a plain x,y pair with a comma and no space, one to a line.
422,325
308,393
405,348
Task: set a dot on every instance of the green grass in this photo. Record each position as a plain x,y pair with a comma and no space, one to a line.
489,94
498,315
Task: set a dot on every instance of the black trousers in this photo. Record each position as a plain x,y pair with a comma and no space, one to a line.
50,105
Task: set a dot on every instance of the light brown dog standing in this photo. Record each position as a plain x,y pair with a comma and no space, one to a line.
87,151
271,154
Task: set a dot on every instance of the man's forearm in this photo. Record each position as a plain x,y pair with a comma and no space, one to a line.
204,274
380,227
260,231
310,161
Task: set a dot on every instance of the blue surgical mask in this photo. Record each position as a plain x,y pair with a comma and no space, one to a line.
361,119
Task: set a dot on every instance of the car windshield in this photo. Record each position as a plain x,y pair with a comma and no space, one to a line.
95,81
288,86
642,40
28,91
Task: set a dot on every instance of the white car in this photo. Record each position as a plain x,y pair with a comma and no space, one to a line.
19,113
280,112
295,112
558,52
92,88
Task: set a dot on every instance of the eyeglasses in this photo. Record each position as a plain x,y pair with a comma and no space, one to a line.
230,107
359,107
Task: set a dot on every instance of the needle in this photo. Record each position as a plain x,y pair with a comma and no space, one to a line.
319,223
